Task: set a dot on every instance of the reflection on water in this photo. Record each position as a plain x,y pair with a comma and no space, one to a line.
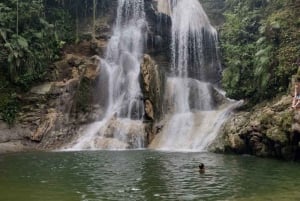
144,175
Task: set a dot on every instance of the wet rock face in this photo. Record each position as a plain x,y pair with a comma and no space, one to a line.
152,81
159,35
103,25
149,109
51,112
214,10
12,139
113,133
268,131
153,85
48,123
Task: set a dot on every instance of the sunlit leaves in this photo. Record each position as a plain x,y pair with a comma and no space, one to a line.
22,42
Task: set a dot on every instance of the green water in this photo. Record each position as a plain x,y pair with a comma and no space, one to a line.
144,175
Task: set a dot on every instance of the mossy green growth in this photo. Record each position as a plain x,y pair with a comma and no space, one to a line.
276,134
83,96
276,126
267,120
9,107
286,121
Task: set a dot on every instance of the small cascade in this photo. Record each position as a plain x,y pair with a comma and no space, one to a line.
194,116
194,43
185,95
121,126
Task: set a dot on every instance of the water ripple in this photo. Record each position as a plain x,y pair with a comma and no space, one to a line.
145,175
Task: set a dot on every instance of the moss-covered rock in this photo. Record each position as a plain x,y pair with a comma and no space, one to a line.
277,135
153,85
270,129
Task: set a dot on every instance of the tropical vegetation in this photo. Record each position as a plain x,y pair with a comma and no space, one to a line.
32,34
261,47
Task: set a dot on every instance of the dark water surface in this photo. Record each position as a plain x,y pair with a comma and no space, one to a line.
144,175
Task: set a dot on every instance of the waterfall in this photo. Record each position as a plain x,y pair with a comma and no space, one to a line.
194,116
194,43
195,107
121,126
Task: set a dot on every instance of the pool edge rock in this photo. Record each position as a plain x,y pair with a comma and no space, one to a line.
270,129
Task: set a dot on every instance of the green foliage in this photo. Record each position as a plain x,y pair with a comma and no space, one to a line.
37,41
31,38
63,25
9,107
83,96
260,42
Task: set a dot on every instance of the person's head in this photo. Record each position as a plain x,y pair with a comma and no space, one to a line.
201,166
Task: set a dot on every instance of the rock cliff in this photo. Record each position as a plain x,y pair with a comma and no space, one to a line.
52,111
270,129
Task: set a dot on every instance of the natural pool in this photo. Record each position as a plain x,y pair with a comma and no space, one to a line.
145,175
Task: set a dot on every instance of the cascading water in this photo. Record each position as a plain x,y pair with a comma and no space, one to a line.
165,6
194,117
121,127
196,109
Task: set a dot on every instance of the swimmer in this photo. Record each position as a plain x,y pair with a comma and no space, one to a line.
201,168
